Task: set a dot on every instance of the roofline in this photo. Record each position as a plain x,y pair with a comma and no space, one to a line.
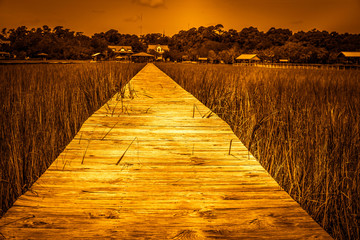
350,54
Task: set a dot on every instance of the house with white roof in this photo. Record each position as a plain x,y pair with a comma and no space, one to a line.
349,57
247,58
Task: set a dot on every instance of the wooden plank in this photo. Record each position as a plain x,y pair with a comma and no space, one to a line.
156,164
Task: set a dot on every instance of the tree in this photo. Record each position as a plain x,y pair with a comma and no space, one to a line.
213,57
268,54
249,38
227,56
153,38
112,37
219,29
4,34
278,37
175,55
313,46
99,45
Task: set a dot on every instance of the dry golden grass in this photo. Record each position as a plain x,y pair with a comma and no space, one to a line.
301,124
42,108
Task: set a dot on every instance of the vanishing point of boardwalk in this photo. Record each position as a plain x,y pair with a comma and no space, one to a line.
154,163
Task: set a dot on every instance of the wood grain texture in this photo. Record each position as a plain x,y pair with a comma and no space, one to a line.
154,163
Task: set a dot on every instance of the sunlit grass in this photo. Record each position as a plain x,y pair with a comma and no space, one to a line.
42,108
302,125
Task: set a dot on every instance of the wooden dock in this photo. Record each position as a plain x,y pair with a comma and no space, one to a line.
155,163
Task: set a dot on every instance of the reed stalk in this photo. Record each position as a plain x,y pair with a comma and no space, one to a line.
42,108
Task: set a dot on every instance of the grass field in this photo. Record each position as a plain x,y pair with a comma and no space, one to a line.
42,108
301,124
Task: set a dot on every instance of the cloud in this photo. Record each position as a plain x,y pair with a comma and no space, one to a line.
151,3
132,19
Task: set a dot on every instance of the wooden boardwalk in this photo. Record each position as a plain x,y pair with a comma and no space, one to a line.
156,165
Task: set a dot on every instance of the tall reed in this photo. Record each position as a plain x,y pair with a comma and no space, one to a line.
302,125
42,108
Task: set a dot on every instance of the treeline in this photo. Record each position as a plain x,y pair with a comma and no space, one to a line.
310,47
212,42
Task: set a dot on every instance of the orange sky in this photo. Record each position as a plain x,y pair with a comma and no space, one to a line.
171,16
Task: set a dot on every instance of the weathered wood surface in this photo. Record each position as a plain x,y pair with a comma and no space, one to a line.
176,180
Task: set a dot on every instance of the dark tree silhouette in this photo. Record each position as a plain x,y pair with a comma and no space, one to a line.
214,42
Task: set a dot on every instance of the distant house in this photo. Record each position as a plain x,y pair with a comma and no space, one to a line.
98,56
158,48
142,57
43,56
159,58
203,60
247,58
4,55
284,60
5,42
184,57
349,57
121,52
121,49
4,47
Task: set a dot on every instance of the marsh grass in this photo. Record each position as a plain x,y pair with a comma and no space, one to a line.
302,125
42,108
